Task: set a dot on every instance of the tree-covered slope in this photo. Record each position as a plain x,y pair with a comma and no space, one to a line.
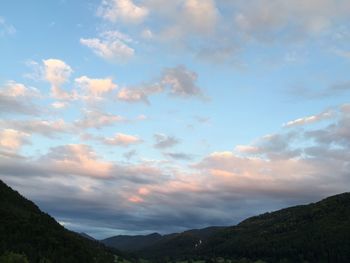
26,230
318,232
154,245
178,245
132,243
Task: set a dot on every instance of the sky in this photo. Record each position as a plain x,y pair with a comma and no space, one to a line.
141,116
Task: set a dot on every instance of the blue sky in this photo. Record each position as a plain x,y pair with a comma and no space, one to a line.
121,116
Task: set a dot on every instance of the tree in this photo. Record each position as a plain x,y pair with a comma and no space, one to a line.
10,257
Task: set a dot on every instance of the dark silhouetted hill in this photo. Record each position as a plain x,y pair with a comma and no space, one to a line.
132,243
24,229
318,232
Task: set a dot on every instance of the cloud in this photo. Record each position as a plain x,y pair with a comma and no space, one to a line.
188,19
57,72
97,119
273,146
332,90
335,134
17,90
337,89
183,18
179,156
341,53
16,98
76,159
147,34
12,140
6,28
139,94
129,154
228,28
163,141
310,119
289,167
247,149
122,10
193,13
275,20
177,82
95,88
48,128
181,81
202,119
121,139
112,46
59,105
302,162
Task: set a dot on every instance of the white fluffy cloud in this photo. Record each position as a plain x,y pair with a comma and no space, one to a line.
123,10
121,139
139,94
12,140
77,159
57,72
95,87
17,98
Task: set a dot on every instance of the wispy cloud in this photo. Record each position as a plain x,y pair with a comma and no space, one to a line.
111,45
163,141
6,28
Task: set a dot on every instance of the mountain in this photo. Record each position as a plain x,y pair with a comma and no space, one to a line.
87,236
178,245
314,233
24,229
318,232
132,243
142,243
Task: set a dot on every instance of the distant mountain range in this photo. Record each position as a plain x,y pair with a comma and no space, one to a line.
318,232
26,230
144,242
314,233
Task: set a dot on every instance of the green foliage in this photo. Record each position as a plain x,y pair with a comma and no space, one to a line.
25,229
317,232
10,257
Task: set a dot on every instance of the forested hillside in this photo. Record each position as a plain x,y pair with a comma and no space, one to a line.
26,230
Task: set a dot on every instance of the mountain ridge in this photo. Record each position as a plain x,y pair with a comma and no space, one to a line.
25,229
292,234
